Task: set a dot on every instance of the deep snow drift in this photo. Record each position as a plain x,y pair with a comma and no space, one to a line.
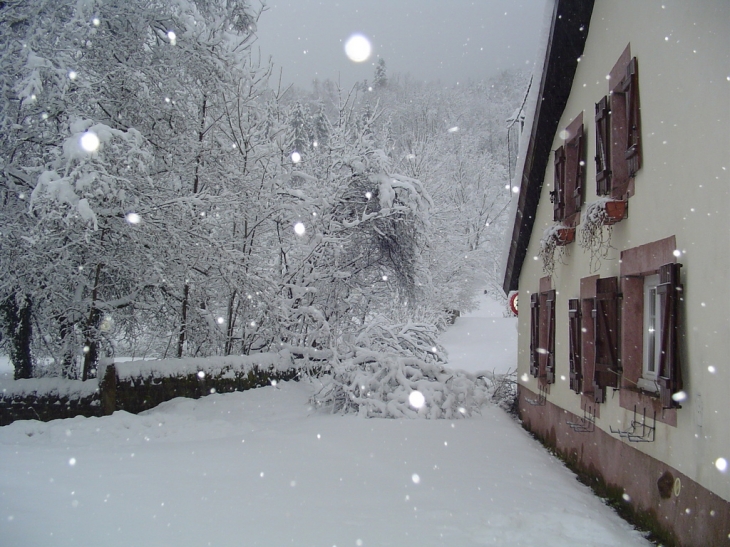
262,468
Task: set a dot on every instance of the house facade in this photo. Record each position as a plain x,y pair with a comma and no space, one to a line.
620,251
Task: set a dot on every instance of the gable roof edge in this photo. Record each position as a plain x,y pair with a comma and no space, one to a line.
565,44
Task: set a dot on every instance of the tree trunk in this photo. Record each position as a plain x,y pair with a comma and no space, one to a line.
183,325
19,331
91,329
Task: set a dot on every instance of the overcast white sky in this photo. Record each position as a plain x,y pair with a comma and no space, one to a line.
449,40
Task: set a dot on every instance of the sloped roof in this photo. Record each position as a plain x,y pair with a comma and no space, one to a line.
565,43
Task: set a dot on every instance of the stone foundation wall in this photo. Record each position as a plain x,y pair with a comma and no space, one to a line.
654,496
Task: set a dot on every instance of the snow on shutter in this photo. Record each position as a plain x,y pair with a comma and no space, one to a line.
630,88
574,350
558,195
669,373
534,334
550,363
603,157
578,168
606,337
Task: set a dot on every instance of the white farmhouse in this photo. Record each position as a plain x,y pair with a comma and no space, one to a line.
620,251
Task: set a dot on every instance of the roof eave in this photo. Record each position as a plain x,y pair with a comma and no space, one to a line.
566,41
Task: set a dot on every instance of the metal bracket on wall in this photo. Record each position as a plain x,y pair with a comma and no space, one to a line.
587,424
638,431
541,396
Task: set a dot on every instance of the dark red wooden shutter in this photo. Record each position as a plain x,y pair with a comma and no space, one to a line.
669,373
606,336
550,362
578,168
603,154
630,88
574,342
559,185
534,334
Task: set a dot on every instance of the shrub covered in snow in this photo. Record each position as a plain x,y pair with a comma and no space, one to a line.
388,385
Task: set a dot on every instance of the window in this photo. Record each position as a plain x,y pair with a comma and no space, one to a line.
535,334
569,173
618,130
575,353
650,322
576,168
607,368
542,336
549,354
558,195
652,334
669,293
603,157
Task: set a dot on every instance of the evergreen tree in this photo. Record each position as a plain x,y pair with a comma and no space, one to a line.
321,127
380,80
301,128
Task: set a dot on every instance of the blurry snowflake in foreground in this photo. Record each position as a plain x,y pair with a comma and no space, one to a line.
133,218
358,48
416,399
90,141
721,464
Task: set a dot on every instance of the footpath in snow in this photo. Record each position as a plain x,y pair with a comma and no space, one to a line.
483,340
262,468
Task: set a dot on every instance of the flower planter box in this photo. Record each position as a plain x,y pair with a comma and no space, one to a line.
615,212
564,236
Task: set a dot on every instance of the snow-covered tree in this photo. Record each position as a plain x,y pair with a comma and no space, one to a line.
107,129
381,78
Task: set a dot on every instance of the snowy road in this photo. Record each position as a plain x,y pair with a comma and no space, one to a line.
262,468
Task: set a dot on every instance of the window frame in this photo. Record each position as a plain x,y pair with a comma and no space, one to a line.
569,174
606,314
618,130
648,381
575,349
636,264
535,334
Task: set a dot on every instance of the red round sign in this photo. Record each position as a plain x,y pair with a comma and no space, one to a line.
513,302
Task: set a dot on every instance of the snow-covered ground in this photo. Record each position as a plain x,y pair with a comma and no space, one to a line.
262,468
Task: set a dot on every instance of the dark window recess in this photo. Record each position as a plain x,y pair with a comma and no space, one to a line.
557,196
550,354
576,171
606,337
630,89
574,342
603,152
534,334
670,294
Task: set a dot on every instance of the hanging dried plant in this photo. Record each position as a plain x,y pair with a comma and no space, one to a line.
597,228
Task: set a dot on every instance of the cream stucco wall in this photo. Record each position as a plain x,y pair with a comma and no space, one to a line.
683,189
